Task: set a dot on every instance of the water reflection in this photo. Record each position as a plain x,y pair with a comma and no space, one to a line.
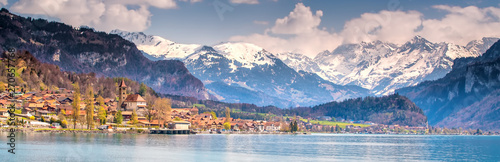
316,147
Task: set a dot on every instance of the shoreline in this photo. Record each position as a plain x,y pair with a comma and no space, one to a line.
135,131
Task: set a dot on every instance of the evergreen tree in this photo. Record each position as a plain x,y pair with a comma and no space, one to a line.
89,108
142,89
228,114
337,128
295,126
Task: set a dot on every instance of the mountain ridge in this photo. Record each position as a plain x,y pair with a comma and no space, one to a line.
465,97
84,50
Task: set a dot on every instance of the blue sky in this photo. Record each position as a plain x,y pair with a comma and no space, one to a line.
317,25
200,22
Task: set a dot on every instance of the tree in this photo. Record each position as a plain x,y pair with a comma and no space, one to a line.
227,125
32,117
228,114
89,108
134,120
2,87
142,89
150,113
118,117
52,120
337,128
214,115
295,126
76,104
43,119
100,100
101,115
163,106
64,123
479,132
177,119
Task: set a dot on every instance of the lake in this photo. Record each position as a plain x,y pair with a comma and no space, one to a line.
315,147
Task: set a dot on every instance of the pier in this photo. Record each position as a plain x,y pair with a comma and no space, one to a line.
170,131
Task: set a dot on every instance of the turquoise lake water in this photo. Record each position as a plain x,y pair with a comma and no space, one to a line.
315,147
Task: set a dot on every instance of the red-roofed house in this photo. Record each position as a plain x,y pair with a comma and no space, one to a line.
133,102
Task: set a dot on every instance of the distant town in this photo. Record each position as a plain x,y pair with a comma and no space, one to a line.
66,110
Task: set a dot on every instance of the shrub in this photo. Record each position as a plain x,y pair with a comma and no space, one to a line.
64,123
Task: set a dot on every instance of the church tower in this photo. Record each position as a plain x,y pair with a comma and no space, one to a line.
122,94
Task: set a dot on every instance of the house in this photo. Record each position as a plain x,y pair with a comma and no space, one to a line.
4,112
272,126
181,125
153,123
127,115
35,106
260,127
64,100
133,102
249,126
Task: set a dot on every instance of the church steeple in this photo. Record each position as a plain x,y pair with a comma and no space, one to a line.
122,94
123,83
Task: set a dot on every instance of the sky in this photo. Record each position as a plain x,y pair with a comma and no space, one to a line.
301,26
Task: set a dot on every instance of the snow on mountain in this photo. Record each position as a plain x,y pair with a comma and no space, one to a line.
245,53
242,72
299,62
383,67
480,46
157,48
249,70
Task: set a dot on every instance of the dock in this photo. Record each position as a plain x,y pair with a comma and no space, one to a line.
170,131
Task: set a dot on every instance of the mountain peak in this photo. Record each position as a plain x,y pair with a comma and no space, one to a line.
418,40
156,46
207,48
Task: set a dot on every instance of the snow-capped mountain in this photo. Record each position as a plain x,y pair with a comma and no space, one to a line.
243,72
383,67
157,48
299,62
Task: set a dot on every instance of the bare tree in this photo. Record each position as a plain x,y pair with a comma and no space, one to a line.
163,107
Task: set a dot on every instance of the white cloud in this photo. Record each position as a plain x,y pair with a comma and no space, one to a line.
300,20
305,38
3,3
462,25
244,1
100,14
300,32
388,26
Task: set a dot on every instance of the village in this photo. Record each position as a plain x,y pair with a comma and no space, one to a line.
53,109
